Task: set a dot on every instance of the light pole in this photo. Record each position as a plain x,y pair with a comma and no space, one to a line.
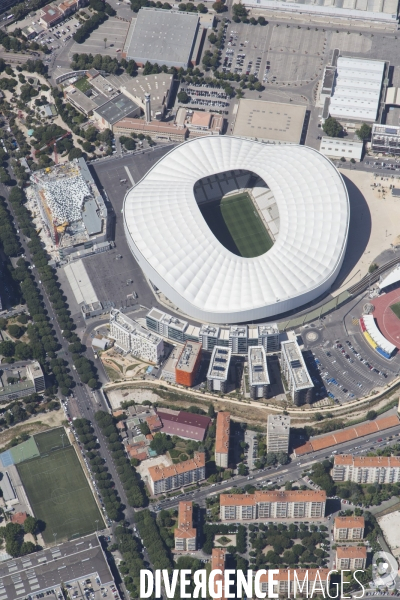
97,526
55,538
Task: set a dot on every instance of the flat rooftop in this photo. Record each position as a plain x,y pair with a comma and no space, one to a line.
268,329
271,121
258,371
279,424
302,379
116,109
163,37
47,569
188,357
219,364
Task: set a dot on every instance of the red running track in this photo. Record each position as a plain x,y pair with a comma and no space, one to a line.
387,321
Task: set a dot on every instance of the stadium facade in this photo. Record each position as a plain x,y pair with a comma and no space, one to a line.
177,251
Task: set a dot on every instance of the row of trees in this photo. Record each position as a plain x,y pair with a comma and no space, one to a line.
132,484
89,26
150,533
132,559
333,128
13,535
102,6
111,500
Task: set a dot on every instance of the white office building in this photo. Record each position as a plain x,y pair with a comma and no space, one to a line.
130,337
218,371
258,373
278,433
296,374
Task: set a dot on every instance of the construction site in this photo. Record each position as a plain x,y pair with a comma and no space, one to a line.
72,211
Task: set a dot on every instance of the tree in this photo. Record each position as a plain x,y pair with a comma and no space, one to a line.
212,38
262,21
332,127
242,469
219,7
183,97
239,10
144,428
7,348
372,267
211,411
30,525
371,415
75,153
201,8
364,133
15,330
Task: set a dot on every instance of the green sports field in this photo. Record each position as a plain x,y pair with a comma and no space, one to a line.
60,495
235,223
396,309
51,440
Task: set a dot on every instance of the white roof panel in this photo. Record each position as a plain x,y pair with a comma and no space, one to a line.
178,252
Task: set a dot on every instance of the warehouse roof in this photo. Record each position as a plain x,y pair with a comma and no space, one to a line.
116,109
346,435
162,36
48,568
184,424
273,121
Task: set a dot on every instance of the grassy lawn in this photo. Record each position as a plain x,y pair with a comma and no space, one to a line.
60,495
51,440
396,309
236,224
83,84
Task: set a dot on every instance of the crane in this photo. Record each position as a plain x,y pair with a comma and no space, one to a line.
54,143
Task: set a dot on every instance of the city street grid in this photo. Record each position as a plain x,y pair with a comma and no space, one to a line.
60,495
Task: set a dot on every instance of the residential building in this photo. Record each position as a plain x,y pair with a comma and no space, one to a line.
188,364
366,469
218,556
208,336
238,339
273,505
169,367
165,479
185,533
26,380
342,147
294,582
35,373
186,425
117,108
222,435
131,337
349,529
258,373
156,129
385,139
296,374
268,336
278,433
351,557
218,371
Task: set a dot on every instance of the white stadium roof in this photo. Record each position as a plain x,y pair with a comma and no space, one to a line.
178,252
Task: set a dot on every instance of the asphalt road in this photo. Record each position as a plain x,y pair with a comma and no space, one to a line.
290,472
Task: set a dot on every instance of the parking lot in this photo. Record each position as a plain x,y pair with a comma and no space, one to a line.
341,370
205,95
114,30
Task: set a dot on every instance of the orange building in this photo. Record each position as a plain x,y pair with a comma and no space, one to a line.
218,562
188,364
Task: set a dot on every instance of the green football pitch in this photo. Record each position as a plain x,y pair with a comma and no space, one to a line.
51,440
396,309
60,495
236,224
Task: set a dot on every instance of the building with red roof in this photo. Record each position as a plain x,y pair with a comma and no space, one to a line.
186,425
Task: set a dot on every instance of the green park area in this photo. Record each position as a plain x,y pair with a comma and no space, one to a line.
236,224
58,490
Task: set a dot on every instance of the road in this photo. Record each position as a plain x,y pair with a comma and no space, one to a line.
290,472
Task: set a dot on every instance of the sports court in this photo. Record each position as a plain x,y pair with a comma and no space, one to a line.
236,224
386,319
19,453
58,491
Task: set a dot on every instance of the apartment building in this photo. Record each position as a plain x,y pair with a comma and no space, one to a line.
35,373
295,582
278,433
351,557
218,562
165,479
258,373
131,337
349,529
223,431
296,374
268,336
366,469
293,504
185,533
188,364
218,371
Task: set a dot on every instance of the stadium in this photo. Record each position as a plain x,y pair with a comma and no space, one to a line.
233,230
